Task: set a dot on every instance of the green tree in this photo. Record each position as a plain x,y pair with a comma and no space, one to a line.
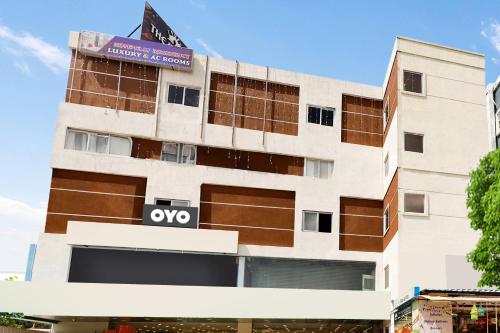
9,318
483,201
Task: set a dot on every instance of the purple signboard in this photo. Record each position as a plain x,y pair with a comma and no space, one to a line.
133,50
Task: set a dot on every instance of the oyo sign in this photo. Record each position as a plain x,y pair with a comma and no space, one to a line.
170,216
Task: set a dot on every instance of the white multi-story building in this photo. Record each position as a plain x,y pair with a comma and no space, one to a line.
313,202
493,113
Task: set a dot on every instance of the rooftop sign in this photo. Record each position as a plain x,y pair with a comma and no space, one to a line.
133,50
155,29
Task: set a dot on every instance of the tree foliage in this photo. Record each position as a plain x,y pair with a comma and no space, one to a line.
483,201
9,318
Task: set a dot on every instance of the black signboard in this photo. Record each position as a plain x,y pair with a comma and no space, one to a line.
170,216
156,30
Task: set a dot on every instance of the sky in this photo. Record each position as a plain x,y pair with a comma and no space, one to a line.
347,40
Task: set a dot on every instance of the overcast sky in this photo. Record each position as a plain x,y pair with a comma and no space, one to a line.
348,40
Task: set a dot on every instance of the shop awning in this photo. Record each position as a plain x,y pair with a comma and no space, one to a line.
461,299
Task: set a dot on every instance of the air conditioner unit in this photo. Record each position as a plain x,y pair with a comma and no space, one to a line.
368,282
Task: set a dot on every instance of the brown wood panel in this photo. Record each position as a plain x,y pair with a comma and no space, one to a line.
220,102
362,122
360,243
88,203
254,236
58,223
283,92
98,182
126,104
251,87
94,64
250,106
361,225
391,200
140,71
222,82
78,197
91,99
218,118
360,104
248,123
95,82
247,216
282,128
145,148
357,206
366,139
252,161
138,89
247,196
282,111
391,94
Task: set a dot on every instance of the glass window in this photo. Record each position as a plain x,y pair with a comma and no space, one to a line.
327,117
119,146
368,282
175,94
316,221
188,154
319,168
387,220
169,152
192,97
414,142
98,143
414,203
313,115
310,221
76,140
412,82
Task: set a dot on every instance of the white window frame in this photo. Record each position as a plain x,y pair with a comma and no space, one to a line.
174,200
367,277
179,151
330,174
321,108
424,84
317,221
426,203
89,133
183,94
387,219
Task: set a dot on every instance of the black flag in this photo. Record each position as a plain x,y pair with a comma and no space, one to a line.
156,30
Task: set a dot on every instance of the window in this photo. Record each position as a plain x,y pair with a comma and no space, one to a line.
316,221
182,95
178,153
412,82
386,114
387,219
171,202
386,276
368,282
386,164
97,143
414,203
319,168
414,142
320,115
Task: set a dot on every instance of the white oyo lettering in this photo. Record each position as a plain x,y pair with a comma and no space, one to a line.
157,215
170,214
183,217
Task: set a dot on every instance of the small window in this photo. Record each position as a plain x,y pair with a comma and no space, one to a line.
192,97
412,82
76,140
387,219
320,115
169,202
414,142
178,153
98,143
317,222
119,146
386,164
368,282
386,276
414,203
175,94
319,168
386,114
183,95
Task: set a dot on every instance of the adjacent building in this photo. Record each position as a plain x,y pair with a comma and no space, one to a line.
493,112
227,196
